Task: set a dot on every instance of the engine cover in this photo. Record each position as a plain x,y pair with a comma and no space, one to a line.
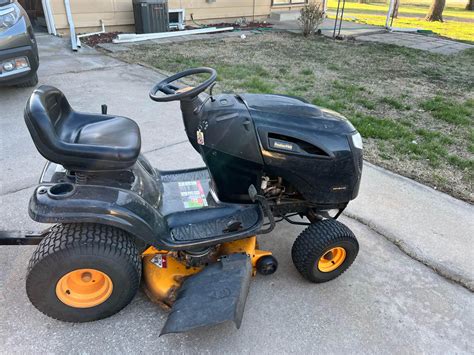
308,146
244,137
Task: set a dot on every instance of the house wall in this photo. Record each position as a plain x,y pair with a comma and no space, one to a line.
118,14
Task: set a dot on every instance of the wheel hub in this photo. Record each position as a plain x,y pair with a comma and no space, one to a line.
84,288
332,259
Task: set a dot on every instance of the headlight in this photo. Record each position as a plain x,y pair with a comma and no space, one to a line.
14,66
8,17
357,140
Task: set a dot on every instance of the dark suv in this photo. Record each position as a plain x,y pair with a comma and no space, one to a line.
18,49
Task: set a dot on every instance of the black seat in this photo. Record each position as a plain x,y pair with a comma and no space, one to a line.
80,141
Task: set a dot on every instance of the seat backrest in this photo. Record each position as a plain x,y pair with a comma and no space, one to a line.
46,109
80,141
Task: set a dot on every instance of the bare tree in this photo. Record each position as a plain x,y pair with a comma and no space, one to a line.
470,5
435,13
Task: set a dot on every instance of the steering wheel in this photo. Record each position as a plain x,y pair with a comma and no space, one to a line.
174,92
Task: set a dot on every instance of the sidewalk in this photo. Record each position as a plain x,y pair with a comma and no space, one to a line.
431,44
369,33
428,225
348,29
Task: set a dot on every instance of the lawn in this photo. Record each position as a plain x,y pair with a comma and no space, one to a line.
414,109
458,24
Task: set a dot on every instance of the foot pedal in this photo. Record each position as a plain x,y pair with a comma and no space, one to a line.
215,295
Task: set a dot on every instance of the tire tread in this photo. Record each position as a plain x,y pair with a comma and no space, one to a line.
65,240
316,238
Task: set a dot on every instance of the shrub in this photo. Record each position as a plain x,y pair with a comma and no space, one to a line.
310,18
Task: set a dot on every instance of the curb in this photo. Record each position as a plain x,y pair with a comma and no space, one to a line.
445,271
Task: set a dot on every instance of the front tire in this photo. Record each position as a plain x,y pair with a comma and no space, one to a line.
324,250
31,82
83,272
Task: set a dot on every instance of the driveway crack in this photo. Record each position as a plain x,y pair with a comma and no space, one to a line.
113,66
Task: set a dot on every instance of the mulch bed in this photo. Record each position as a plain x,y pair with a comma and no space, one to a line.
94,40
246,26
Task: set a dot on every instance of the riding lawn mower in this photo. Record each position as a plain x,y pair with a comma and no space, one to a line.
189,236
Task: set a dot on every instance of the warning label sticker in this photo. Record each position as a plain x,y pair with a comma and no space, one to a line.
200,137
160,261
192,194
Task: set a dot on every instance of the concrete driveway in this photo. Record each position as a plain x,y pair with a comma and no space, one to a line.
386,302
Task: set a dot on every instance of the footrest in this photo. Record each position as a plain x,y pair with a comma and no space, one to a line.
215,295
216,222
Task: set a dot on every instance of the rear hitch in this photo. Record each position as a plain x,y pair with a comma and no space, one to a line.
21,238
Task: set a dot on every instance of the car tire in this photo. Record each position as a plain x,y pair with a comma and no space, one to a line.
31,82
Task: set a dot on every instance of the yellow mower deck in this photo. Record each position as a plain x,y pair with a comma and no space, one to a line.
164,273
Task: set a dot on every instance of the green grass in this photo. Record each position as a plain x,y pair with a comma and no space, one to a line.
306,72
414,109
429,145
434,136
448,110
411,15
431,152
394,103
367,103
256,85
461,163
470,139
333,104
235,72
380,128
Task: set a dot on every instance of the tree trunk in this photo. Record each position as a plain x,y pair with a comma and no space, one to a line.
435,13
470,5
395,8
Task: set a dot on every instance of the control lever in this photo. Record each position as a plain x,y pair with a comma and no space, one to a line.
254,196
211,90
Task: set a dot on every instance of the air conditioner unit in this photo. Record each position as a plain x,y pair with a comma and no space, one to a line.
177,18
151,16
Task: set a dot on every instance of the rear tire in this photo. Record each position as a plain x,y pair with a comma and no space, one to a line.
324,250
90,249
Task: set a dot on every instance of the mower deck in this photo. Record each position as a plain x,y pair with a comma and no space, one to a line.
205,294
213,296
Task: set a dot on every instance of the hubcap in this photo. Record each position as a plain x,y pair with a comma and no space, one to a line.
84,288
332,259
